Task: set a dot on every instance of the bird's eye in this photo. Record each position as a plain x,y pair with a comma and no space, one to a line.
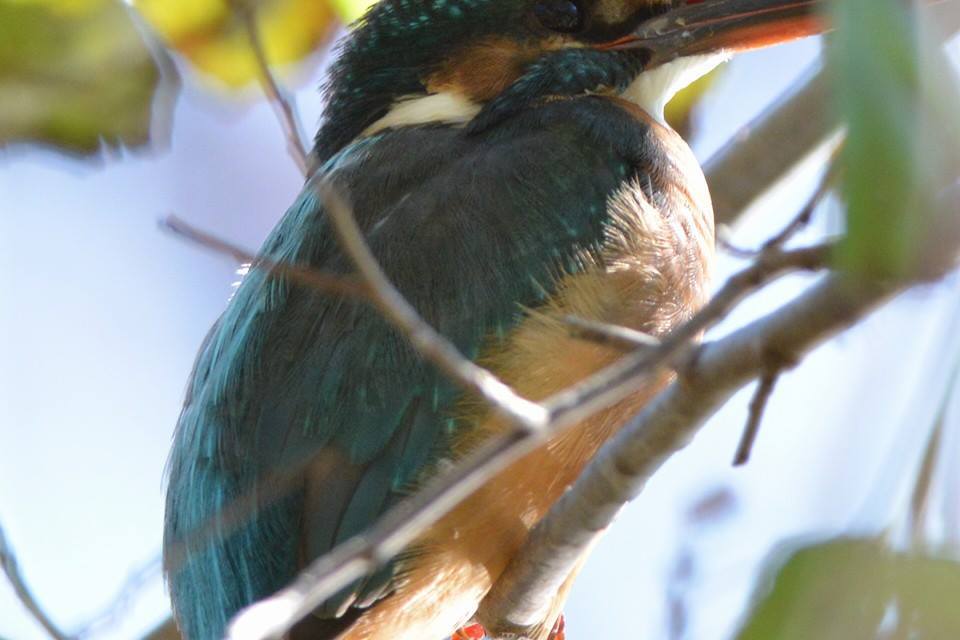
564,16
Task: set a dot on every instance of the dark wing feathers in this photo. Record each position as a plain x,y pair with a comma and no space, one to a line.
311,404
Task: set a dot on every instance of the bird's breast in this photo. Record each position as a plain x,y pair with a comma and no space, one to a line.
651,275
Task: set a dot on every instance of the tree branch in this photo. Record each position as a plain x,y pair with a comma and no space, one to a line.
758,405
707,377
424,338
284,110
770,146
610,334
8,561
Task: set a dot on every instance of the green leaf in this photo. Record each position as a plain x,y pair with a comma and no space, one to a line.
74,74
899,101
847,589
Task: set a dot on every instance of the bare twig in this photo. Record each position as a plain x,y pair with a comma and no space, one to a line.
757,406
610,334
725,241
615,382
796,224
425,339
284,110
320,280
8,560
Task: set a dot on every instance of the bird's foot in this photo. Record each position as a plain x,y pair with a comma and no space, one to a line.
473,631
558,633
476,631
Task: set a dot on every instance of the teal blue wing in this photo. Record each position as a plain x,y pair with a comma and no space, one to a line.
308,415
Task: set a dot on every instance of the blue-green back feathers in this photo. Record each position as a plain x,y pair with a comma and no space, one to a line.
309,407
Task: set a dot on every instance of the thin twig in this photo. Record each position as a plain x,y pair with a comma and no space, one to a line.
757,406
724,238
270,618
284,110
609,334
8,561
800,221
426,340
803,217
320,280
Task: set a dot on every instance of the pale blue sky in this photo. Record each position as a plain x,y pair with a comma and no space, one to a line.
102,315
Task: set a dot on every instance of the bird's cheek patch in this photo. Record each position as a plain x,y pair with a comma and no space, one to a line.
483,70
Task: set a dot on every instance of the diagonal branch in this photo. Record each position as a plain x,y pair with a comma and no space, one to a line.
771,146
425,339
758,405
282,107
10,566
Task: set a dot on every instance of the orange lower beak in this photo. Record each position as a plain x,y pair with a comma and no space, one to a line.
706,26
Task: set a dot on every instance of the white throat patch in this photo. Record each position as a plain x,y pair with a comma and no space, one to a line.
652,90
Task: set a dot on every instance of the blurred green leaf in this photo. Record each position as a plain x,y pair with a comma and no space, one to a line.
897,97
74,73
847,589
874,59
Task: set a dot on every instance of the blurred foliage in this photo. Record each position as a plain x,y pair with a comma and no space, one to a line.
679,111
212,34
851,589
350,10
899,101
73,73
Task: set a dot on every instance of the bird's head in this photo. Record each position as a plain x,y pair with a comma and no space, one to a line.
476,62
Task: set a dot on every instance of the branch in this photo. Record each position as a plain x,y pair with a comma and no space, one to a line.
758,405
8,561
770,146
319,280
774,143
424,338
286,114
706,379
609,334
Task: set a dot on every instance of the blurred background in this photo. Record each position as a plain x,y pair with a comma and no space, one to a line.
101,315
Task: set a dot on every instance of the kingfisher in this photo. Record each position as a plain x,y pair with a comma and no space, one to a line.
509,165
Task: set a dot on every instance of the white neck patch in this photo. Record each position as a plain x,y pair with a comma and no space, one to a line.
442,108
652,90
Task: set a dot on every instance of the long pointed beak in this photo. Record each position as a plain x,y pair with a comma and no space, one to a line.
707,26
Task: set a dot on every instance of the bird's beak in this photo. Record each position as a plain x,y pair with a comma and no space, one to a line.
707,26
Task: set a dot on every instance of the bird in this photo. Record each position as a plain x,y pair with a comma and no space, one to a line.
508,164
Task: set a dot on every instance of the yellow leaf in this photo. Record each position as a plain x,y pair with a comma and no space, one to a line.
350,10
679,110
211,34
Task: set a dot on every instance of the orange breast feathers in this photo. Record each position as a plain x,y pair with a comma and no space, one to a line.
653,275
